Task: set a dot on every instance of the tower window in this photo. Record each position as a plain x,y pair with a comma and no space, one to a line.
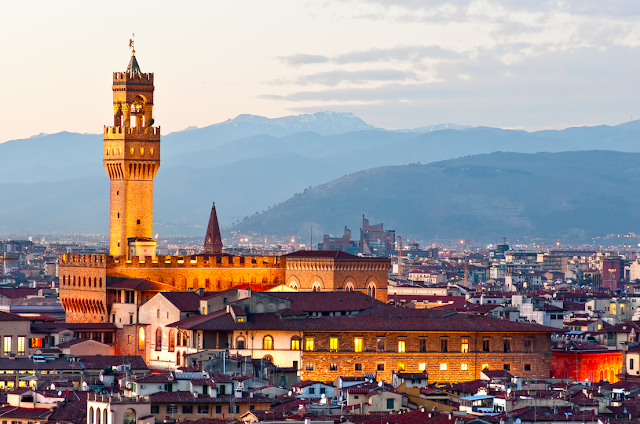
142,151
132,151
151,150
117,193
138,222
118,214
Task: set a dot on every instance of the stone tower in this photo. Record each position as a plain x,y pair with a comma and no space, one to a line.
132,158
213,240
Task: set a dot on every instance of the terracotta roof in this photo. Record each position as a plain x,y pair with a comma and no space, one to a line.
100,362
73,342
14,412
152,378
326,301
184,301
412,375
188,397
138,284
497,374
19,364
382,319
16,293
5,316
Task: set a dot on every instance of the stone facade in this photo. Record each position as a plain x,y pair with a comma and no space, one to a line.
131,158
423,352
313,271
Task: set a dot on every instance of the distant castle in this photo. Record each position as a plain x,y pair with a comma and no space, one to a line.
131,158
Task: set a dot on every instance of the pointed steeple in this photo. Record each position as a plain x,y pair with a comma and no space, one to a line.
213,240
133,67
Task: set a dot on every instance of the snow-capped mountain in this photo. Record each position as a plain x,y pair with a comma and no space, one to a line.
323,123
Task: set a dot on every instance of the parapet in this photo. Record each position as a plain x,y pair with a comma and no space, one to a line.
97,261
120,78
142,133
197,261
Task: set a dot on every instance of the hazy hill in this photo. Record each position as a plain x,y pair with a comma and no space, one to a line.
571,196
246,165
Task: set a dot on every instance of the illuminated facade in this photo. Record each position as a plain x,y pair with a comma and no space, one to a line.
585,361
132,159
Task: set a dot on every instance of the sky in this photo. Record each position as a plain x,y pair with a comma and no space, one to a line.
526,64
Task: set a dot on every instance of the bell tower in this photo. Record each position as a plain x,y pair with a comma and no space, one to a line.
132,159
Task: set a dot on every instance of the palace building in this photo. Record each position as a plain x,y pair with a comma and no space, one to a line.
90,285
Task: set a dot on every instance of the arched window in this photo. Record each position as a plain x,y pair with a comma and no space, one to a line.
295,343
172,340
348,286
141,338
178,358
129,417
317,286
293,285
267,343
268,358
158,339
74,281
241,343
185,339
371,289
105,416
98,415
100,282
91,417
95,282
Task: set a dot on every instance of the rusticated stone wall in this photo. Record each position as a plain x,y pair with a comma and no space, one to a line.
327,365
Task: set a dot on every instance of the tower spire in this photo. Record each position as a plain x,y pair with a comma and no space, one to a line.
213,240
133,67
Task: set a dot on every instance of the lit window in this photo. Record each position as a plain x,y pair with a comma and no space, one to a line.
141,339
357,344
22,340
401,346
401,366
422,366
380,345
7,345
464,367
142,150
35,342
443,367
464,347
132,150
267,343
485,367
295,344
308,344
333,344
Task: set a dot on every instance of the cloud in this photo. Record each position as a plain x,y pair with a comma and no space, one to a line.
551,76
303,59
333,78
398,53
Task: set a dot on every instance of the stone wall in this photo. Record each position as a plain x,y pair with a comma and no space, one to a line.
346,361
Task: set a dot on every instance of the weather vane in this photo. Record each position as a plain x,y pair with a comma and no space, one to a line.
133,50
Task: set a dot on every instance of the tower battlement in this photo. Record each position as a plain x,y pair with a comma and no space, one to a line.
142,133
97,261
120,78
196,261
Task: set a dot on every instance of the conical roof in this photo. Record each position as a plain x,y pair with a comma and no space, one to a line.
213,240
133,67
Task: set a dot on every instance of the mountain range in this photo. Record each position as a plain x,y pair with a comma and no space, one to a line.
248,165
